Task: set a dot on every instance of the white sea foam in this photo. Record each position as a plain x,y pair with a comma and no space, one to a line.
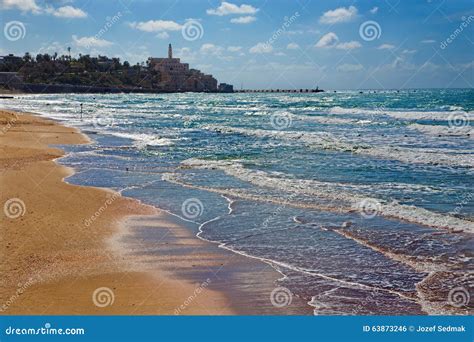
324,140
403,114
330,120
344,194
143,139
467,131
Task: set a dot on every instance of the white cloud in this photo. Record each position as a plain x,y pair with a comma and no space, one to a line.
386,47
374,10
349,67
243,20
339,15
328,40
88,42
135,56
33,7
428,41
185,53
409,52
331,40
463,67
234,48
397,63
163,35
227,8
68,12
51,48
261,48
428,66
280,54
156,26
294,32
292,46
22,5
211,49
348,45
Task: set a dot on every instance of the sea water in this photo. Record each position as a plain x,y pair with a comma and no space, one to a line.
362,200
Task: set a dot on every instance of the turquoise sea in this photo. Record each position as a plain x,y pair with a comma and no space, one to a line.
363,201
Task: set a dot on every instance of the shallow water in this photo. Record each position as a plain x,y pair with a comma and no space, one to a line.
363,201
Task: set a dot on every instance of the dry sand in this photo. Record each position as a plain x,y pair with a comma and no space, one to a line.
51,261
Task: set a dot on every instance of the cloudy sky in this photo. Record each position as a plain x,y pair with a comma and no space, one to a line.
263,44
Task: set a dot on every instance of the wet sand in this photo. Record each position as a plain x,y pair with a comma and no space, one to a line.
51,261
67,249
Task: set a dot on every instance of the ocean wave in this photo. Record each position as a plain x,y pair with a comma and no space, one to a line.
444,130
324,140
331,120
143,139
403,114
344,199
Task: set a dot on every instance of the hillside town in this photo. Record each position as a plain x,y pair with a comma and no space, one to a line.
56,74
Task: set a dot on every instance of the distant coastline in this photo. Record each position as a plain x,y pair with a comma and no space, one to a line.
46,73
53,74
44,88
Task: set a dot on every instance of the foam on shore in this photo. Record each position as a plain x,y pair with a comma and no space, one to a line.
143,140
344,199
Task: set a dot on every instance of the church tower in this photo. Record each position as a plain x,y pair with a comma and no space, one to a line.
170,51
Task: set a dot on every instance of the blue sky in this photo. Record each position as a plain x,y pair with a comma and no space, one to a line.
263,44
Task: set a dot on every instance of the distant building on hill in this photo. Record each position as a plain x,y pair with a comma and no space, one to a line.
177,76
50,73
105,62
10,59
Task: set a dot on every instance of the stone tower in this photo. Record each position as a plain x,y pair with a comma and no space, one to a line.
170,51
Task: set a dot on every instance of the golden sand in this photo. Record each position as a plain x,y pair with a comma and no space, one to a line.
54,261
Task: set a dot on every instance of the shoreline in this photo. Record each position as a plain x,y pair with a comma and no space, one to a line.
72,269
57,267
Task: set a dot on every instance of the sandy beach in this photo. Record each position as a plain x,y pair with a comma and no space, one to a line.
59,243
71,243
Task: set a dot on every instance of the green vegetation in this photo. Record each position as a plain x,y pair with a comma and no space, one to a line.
98,71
